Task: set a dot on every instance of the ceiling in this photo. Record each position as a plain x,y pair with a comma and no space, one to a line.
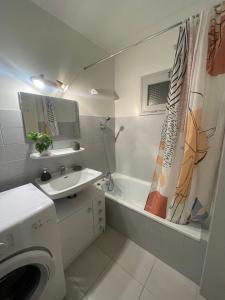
111,24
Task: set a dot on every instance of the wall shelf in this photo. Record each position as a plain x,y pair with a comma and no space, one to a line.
56,153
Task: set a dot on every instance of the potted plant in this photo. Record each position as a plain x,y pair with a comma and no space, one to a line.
43,142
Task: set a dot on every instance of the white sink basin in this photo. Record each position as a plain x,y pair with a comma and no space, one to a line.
68,184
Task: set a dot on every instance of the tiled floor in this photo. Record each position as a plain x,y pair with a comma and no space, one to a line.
115,268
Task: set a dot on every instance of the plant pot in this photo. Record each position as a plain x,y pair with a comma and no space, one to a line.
45,153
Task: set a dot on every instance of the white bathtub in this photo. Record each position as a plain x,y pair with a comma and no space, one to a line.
180,246
132,193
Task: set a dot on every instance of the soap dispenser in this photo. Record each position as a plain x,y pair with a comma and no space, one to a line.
45,175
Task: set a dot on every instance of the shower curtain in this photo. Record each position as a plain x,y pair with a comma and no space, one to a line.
183,184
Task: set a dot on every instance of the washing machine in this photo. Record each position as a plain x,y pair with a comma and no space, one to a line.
30,256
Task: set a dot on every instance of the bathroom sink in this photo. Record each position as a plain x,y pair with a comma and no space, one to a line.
60,186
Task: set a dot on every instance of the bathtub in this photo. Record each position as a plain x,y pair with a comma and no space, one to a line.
180,246
132,193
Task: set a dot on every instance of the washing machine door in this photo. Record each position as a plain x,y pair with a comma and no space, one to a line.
26,276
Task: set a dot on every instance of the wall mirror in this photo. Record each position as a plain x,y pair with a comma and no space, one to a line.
154,92
56,116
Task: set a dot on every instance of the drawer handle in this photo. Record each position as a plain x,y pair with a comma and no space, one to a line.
100,211
99,202
89,209
99,219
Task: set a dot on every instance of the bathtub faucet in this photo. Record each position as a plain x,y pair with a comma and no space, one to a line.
109,182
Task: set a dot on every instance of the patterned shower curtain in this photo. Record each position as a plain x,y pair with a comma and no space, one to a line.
184,180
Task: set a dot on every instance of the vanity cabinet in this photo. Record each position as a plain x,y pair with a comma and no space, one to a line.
99,214
76,232
81,220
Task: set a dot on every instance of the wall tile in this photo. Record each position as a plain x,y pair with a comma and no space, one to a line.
19,168
137,145
24,168
2,154
4,172
10,118
96,162
14,182
62,144
13,135
16,152
1,139
92,139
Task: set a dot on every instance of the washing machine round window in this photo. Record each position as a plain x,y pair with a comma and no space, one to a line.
26,276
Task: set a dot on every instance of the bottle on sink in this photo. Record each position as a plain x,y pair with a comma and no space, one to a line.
45,175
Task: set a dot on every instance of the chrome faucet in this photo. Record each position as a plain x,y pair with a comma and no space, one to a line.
109,181
62,170
107,175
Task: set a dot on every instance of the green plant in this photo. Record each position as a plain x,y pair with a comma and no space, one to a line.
43,140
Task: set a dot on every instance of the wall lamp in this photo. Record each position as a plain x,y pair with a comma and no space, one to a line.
41,83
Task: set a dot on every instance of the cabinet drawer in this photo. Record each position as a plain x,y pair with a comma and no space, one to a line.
99,203
99,210
99,229
99,219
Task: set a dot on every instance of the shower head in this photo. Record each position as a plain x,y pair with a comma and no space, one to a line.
118,133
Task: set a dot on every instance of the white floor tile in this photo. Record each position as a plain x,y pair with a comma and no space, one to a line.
167,284
110,242
199,297
86,269
115,284
146,295
135,260
73,292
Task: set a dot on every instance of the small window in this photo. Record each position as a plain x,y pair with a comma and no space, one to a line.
154,92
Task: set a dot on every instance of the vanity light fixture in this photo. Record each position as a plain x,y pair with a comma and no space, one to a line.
41,83
38,82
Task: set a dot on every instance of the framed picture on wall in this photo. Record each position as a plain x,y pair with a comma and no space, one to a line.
154,91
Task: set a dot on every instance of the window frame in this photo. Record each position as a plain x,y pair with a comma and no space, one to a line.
147,80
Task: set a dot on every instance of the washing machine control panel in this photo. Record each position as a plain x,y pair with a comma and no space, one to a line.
6,244
39,223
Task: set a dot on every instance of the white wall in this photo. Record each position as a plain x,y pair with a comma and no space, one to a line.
98,77
150,57
34,42
213,279
137,145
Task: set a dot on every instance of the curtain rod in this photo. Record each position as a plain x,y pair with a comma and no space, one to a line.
137,43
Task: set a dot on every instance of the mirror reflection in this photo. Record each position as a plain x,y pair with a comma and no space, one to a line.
55,116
